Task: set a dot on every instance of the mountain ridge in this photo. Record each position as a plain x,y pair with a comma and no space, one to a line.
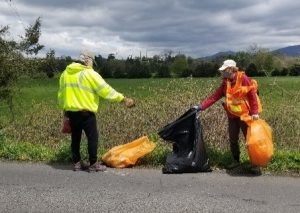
290,51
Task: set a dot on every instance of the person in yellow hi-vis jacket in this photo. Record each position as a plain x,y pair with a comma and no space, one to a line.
79,90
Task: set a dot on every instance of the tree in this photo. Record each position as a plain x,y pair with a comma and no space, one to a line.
263,59
163,71
8,71
206,69
99,62
50,63
186,73
295,70
118,68
179,65
111,56
135,68
284,71
106,71
145,71
129,70
167,55
12,62
62,62
190,61
242,59
251,70
29,43
275,72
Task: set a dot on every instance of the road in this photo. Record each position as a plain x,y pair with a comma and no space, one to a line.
26,187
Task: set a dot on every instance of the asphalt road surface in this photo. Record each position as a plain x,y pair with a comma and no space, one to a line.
26,187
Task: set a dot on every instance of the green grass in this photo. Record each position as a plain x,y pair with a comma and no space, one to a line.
34,136
284,162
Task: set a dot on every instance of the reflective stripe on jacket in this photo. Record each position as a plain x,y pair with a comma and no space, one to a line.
80,87
237,102
221,92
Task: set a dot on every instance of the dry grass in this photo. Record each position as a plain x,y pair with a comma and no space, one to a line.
158,106
36,136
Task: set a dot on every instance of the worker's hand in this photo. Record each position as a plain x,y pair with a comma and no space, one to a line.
197,108
128,102
255,117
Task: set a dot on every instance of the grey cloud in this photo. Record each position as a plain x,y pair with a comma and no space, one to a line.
79,4
197,27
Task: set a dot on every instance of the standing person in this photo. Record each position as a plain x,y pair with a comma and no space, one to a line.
241,101
79,90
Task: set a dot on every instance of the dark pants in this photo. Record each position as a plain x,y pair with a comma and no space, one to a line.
86,121
234,126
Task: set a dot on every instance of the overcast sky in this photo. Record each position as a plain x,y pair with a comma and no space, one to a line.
127,27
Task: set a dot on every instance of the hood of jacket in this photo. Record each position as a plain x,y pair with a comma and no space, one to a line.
75,68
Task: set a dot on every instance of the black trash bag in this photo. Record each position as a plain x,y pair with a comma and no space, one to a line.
189,153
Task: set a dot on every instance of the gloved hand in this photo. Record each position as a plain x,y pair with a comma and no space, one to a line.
255,117
128,102
197,108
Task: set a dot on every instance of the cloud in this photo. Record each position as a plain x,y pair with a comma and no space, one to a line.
128,27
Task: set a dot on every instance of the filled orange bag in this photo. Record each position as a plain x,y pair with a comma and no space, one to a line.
259,142
127,154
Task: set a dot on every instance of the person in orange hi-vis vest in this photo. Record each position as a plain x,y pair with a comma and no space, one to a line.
241,101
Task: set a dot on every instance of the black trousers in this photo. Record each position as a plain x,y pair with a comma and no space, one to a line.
86,121
234,127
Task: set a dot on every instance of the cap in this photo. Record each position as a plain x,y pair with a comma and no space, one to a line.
227,63
87,53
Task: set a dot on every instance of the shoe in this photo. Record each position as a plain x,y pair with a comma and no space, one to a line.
79,166
255,170
97,167
233,165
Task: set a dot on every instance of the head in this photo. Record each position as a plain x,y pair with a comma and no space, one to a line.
228,69
87,58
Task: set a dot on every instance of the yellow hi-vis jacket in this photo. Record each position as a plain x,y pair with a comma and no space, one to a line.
80,87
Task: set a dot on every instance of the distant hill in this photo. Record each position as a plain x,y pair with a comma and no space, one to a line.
218,55
292,51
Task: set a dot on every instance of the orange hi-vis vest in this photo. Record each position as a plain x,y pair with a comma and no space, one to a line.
236,97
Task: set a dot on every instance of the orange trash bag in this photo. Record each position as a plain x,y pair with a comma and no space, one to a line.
259,142
127,154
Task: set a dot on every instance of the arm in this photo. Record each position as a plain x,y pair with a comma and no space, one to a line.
102,88
217,95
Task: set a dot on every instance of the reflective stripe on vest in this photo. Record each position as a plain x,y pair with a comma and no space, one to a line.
236,97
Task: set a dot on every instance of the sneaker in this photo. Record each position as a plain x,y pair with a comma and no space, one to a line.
79,166
97,167
255,170
233,165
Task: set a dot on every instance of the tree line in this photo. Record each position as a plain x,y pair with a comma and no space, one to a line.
19,59
256,63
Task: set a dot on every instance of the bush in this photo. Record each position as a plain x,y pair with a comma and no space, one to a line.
295,70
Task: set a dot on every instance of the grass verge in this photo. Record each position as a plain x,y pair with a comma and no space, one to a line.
283,162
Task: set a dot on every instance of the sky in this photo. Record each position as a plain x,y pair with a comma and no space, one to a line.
196,28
